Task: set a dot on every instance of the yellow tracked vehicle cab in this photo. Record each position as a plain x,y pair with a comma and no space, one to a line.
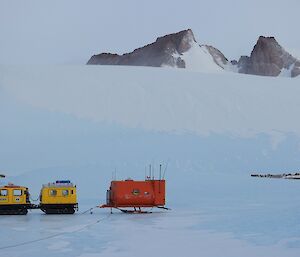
59,198
14,200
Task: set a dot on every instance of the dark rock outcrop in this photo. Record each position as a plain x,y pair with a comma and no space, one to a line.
217,56
268,58
160,53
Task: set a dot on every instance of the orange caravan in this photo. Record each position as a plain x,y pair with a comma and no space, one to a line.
136,194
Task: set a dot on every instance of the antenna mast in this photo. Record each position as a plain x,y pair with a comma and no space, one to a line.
159,171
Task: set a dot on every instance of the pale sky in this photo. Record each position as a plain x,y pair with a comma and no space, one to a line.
70,31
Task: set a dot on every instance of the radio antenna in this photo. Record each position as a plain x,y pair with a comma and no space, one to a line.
159,171
153,171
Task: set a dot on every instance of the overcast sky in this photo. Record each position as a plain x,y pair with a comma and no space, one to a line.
70,31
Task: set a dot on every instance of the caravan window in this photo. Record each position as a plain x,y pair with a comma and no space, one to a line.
3,192
53,192
65,192
17,192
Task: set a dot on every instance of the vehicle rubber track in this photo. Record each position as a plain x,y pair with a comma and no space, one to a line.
59,211
22,211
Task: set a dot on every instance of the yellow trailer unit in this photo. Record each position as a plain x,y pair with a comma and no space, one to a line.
58,198
14,200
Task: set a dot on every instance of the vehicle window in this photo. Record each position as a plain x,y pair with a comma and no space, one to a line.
72,192
136,192
65,192
53,192
3,192
17,192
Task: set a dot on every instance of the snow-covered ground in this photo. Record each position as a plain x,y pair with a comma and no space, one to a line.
83,123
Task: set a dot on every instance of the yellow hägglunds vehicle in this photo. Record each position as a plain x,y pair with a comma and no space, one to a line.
14,200
58,198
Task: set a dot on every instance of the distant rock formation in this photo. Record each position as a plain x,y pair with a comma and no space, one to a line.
217,56
268,58
181,50
158,54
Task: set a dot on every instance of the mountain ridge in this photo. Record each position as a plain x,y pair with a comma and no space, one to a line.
181,50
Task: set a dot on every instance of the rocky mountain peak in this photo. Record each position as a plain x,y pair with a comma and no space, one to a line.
267,58
157,54
181,41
